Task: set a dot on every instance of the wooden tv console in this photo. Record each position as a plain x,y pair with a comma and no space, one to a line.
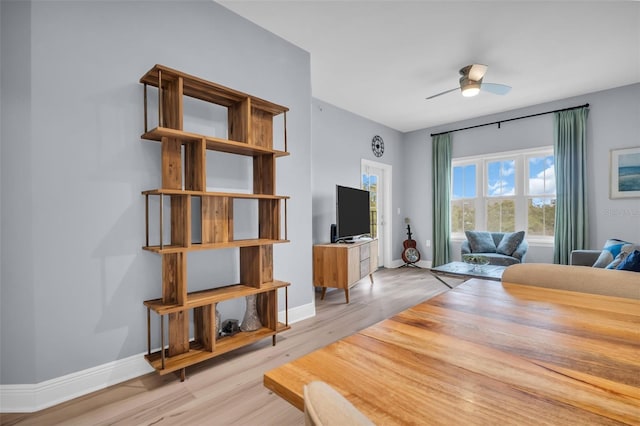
341,265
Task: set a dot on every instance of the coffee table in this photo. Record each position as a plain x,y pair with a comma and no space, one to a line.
467,271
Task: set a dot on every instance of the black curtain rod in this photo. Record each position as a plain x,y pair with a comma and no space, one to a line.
509,119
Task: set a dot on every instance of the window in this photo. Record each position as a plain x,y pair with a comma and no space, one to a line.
505,192
501,196
541,196
370,183
463,206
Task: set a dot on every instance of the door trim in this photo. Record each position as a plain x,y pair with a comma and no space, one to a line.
388,197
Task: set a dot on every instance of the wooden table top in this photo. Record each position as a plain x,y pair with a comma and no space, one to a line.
486,353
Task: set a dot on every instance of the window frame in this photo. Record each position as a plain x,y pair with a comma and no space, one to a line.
521,162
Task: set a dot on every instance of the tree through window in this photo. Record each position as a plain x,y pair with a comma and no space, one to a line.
463,198
541,192
500,192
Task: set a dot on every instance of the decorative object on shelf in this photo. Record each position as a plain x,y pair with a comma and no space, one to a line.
477,261
410,253
377,146
250,322
230,327
625,173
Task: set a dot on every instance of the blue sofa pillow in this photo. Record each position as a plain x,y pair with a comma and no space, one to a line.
625,251
610,251
480,241
510,242
631,262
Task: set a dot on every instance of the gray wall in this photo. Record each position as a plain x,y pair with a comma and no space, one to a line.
73,275
614,122
73,167
340,140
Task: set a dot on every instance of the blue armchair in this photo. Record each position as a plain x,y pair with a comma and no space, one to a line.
501,248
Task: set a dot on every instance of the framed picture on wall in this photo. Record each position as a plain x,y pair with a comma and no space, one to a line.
625,173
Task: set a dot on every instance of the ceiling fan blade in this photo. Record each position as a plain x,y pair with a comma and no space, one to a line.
443,93
477,71
495,88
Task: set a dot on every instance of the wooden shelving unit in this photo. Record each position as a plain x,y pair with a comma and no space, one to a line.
250,133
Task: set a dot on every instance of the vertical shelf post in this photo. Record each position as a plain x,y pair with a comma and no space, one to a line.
146,219
162,356
160,100
146,127
161,221
148,331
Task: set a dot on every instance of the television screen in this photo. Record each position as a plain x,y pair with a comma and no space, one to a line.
352,212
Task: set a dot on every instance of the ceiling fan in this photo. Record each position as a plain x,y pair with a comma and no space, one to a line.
471,82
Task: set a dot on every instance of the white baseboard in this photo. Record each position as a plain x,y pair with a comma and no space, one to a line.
398,262
299,313
30,398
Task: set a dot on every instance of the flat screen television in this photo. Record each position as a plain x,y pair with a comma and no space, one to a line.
352,213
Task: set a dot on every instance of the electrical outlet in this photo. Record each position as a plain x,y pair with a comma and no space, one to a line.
428,243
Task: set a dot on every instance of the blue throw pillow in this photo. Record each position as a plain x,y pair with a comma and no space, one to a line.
480,241
510,243
625,251
610,250
631,262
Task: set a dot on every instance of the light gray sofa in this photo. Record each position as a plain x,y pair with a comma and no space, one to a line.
585,279
496,258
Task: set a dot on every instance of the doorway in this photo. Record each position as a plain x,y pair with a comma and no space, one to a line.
376,178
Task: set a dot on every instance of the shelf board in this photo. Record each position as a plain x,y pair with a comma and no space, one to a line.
215,144
161,191
214,295
208,91
166,249
197,353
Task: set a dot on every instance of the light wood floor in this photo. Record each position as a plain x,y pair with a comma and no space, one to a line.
228,390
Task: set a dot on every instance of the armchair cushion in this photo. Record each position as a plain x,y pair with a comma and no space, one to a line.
631,262
625,251
510,243
481,242
610,251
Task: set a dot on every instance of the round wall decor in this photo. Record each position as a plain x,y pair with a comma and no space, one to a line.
377,146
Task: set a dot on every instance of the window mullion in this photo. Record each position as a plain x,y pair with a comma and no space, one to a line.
481,204
521,189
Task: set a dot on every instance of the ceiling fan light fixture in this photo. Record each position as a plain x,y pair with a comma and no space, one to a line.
471,83
472,89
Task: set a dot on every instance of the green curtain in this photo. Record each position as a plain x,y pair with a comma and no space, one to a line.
441,149
570,149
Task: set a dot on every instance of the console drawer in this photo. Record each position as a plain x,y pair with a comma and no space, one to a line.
365,251
364,268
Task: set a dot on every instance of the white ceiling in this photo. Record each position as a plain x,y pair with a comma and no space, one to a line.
381,59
